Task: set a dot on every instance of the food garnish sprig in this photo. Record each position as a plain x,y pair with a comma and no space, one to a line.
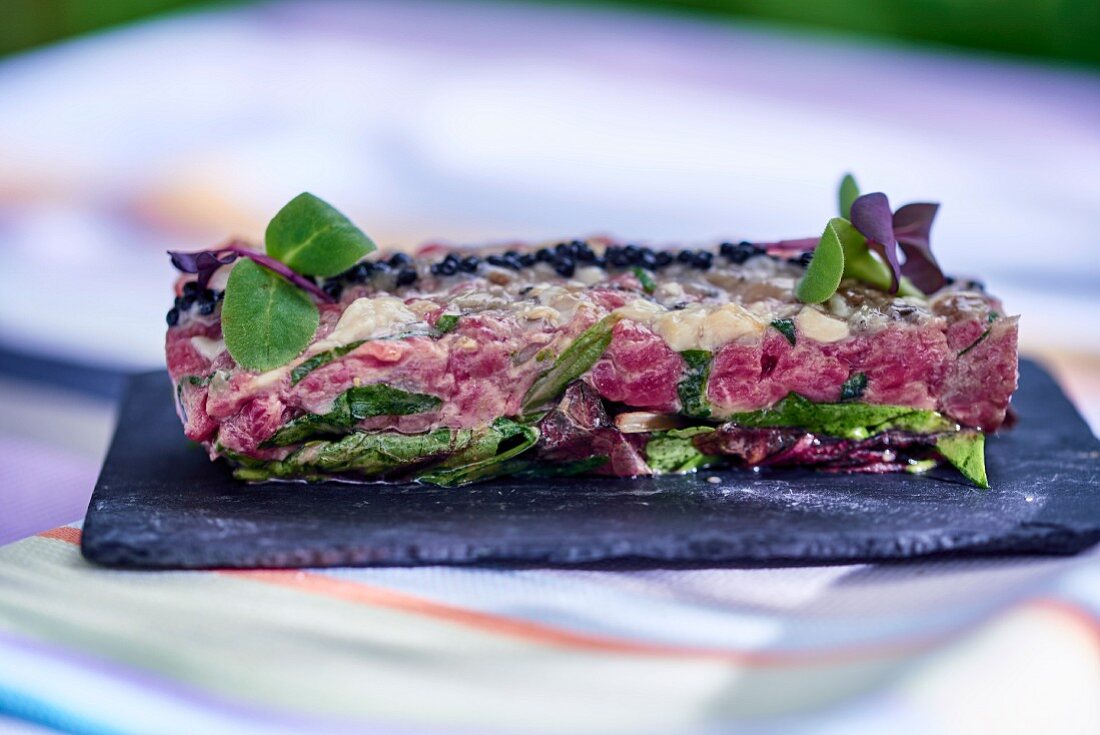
863,243
270,314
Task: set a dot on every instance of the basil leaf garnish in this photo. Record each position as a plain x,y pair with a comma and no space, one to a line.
574,361
266,322
315,239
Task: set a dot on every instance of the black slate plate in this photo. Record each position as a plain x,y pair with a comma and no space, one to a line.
160,504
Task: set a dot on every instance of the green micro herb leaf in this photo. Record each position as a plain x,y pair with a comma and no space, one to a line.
966,453
321,358
824,272
574,361
786,328
315,239
692,388
848,193
648,284
266,321
852,388
446,323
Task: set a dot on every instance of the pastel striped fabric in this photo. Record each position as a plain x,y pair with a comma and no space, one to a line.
959,646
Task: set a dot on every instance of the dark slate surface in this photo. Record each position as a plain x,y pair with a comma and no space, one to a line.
160,504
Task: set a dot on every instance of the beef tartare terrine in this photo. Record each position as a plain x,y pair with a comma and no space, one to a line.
586,356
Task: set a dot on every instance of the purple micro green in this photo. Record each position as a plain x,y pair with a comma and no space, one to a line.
207,261
912,226
871,215
204,263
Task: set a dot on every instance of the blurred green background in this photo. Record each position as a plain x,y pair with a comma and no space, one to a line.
1065,30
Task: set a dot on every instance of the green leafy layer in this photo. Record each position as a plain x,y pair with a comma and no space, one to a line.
574,361
441,457
351,407
966,453
485,456
845,420
321,358
673,451
692,388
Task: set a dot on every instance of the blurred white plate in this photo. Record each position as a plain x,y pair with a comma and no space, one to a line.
469,121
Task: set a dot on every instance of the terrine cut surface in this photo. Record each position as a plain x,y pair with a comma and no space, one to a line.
452,367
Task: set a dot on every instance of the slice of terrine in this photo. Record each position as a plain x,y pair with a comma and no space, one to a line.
585,356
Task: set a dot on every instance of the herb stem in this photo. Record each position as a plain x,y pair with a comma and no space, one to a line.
242,249
799,245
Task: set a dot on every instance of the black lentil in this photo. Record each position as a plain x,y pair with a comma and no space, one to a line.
400,260
358,273
406,276
173,316
469,264
191,288
740,252
663,258
207,307
803,259
617,257
333,288
444,268
702,260
647,259
526,260
544,255
565,267
685,256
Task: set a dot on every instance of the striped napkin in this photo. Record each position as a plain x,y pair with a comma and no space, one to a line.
952,646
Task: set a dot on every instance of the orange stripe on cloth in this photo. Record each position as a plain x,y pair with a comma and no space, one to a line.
365,594
63,533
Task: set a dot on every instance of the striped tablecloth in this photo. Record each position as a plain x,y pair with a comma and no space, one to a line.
951,646
487,121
